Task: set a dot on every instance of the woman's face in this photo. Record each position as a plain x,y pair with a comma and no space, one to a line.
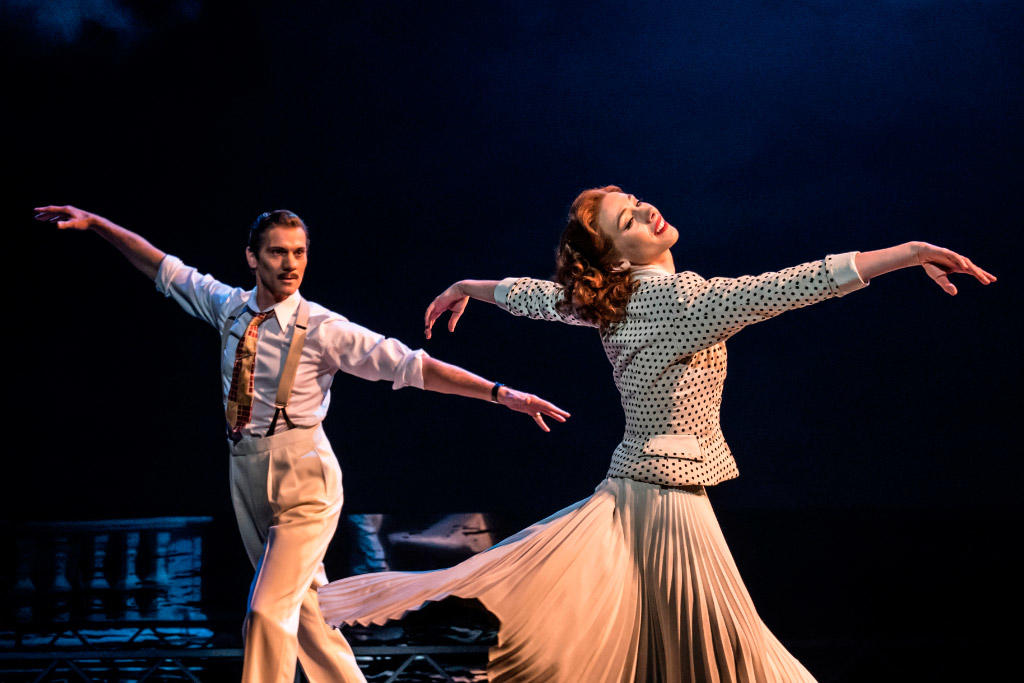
636,228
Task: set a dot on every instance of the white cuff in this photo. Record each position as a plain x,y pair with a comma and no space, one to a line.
842,269
409,372
165,272
501,291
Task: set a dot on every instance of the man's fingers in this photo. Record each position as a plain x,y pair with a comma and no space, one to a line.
49,216
540,422
53,213
551,409
535,403
555,412
538,406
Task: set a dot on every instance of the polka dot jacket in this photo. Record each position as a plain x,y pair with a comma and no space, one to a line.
669,361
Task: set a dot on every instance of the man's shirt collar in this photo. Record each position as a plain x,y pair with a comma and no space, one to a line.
284,311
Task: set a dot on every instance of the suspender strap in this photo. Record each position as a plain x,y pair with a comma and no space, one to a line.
291,365
226,331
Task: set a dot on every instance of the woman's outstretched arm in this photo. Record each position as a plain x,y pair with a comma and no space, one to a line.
937,262
720,307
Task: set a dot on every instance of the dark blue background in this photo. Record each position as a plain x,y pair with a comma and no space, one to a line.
427,142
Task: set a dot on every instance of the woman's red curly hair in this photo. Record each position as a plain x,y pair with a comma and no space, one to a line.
596,289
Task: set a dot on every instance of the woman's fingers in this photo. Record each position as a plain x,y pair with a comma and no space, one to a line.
943,281
457,309
429,318
981,275
941,278
455,304
966,266
939,263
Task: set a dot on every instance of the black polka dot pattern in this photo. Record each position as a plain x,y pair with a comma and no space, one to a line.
669,361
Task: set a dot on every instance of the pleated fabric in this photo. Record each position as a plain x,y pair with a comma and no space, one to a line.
635,583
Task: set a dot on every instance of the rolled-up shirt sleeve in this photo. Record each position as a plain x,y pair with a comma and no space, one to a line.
358,351
202,296
843,273
501,292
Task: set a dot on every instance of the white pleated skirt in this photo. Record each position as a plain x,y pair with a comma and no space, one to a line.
635,583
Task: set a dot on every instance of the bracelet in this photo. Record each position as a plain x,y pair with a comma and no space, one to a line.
494,391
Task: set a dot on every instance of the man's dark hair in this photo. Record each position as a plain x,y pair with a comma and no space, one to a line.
272,219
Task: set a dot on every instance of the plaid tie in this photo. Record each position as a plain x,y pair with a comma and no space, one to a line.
242,375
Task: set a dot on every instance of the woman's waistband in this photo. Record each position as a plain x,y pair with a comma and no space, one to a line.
688,488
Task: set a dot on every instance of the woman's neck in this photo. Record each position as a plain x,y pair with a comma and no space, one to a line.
664,262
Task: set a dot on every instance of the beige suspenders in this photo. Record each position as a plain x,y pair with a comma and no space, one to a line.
291,362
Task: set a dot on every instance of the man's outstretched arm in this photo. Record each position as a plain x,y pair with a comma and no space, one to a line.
139,252
451,379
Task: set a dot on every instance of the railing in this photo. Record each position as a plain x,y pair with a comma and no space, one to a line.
123,600
106,573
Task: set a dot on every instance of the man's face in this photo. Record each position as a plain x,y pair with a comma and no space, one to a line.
281,261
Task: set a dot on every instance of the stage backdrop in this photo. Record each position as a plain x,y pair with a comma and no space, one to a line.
427,142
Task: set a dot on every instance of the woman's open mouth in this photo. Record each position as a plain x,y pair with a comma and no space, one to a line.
659,226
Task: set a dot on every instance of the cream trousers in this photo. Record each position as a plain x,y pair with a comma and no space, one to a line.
286,491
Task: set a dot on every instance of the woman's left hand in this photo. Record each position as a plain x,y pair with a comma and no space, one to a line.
452,299
940,263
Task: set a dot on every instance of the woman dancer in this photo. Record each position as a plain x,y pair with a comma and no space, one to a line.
636,582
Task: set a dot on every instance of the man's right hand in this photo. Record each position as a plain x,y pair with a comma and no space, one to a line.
66,217
139,252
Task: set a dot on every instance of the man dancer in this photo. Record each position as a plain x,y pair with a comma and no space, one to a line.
279,356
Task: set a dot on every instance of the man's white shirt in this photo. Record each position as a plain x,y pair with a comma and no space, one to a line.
333,344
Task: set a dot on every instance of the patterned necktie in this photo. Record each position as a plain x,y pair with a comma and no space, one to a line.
243,382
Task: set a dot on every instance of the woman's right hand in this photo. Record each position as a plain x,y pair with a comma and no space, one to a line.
937,262
940,263
453,299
